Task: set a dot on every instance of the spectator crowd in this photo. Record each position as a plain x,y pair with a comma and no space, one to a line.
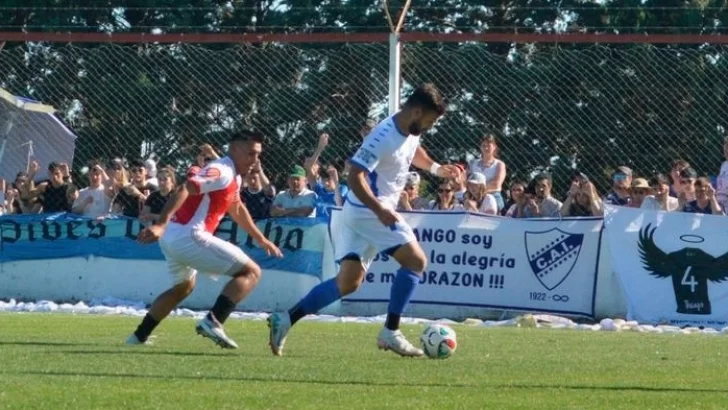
138,189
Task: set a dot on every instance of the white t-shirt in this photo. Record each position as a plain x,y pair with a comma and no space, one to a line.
721,192
489,205
306,198
490,172
387,154
651,203
100,206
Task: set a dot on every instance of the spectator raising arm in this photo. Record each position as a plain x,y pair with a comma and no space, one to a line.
312,161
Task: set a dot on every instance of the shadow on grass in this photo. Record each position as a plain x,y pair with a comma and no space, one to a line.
142,352
256,378
43,344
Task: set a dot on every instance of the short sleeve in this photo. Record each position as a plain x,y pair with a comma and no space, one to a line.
278,201
370,152
489,205
213,177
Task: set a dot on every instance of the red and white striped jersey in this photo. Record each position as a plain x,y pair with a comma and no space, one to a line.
219,187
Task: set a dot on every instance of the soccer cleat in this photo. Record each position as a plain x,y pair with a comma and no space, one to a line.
279,325
213,330
134,340
395,341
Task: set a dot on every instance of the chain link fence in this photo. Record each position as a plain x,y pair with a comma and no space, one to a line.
554,108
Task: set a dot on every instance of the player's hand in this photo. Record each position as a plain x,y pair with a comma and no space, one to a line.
270,248
448,171
388,217
150,234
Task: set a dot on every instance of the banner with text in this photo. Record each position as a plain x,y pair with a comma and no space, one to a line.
500,263
673,266
26,237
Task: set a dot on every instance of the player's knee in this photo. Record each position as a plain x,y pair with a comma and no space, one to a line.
419,264
183,289
250,271
348,285
350,277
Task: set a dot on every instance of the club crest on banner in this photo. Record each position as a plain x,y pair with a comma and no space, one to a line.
552,255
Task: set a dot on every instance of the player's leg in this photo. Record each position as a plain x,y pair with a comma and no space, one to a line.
412,262
350,276
184,284
354,255
219,256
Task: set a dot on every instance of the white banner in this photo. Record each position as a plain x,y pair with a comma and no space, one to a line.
497,263
673,266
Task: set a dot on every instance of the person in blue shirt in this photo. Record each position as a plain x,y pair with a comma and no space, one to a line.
329,190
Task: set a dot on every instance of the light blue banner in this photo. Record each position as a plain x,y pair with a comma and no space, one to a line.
27,237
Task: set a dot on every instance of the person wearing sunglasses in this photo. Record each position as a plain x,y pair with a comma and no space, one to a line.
445,199
621,185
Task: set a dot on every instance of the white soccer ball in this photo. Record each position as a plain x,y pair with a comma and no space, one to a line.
438,341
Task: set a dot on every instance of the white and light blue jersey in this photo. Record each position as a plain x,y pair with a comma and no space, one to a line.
387,154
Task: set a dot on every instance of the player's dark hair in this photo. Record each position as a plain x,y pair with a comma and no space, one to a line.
428,97
248,135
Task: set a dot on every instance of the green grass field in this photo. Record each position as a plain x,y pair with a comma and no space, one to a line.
52,361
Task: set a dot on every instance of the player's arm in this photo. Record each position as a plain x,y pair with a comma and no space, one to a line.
423,161
240,215
357,181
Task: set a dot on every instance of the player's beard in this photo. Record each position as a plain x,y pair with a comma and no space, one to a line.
415,128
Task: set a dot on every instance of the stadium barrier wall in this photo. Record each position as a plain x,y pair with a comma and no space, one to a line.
66,258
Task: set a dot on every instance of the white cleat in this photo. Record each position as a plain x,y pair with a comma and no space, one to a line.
134,340
279,324
395,341
213,330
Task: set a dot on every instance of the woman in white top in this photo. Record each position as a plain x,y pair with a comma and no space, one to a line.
445,200
477,199
490,166
661,199
722,180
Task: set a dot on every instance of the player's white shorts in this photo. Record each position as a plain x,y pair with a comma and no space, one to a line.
358,231
201,251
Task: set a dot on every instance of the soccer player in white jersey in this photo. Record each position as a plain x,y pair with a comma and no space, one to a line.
369,223
185,231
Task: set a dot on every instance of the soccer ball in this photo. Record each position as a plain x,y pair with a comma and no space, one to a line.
438,341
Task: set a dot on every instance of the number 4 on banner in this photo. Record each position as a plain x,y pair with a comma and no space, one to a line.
689,280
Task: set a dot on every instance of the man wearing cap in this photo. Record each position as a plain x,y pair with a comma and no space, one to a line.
297,200
621,184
